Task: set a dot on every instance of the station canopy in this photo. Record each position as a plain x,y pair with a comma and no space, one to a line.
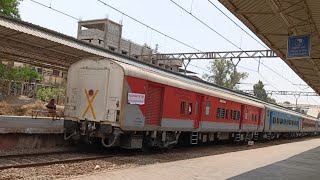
31,44
274,21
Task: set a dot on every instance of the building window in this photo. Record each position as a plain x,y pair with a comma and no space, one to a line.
55,72
39,70
207,108
124,52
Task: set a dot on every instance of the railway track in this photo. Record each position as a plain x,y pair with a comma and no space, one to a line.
50,158
42,159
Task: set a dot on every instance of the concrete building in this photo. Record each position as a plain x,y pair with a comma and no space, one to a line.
108,34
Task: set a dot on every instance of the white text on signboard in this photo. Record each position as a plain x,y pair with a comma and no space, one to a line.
136,98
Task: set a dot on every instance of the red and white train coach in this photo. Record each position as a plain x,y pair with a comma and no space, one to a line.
134,105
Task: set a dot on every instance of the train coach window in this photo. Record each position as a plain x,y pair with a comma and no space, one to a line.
227,113
197,108
274,120
252,117
218,113
189,108
231,114
255,117
207,108
236,115
182,107
221,113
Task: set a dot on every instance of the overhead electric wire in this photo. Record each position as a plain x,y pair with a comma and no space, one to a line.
238,25
55,10
204,24
251,37
227,39
78,19
247,34
140,22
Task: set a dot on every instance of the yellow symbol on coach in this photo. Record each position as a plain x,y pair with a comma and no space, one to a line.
89,94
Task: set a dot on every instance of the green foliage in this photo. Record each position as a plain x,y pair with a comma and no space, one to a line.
3,71
47,93
287,102
260,92
23,73
271,100
10,8
223,73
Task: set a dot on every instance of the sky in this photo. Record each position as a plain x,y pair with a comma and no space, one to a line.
168,18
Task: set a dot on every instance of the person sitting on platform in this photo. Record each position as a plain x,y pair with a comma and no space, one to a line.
51,106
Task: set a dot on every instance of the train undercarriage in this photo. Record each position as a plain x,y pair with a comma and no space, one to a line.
109,136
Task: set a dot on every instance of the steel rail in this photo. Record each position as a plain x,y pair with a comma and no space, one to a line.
43,159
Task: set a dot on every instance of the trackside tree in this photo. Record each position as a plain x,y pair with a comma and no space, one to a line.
224,73
10,8
260,92
23,73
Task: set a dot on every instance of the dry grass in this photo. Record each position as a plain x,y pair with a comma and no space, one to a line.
15,107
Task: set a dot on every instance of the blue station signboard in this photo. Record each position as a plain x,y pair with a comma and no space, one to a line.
299,47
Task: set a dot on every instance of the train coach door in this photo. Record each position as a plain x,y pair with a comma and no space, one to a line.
270,120
93,85
154,99
198,110
244,116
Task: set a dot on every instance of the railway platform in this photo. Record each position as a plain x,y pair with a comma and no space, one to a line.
298,160
28,125
23,132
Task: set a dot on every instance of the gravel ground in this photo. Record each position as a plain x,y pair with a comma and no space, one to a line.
114,163
33,151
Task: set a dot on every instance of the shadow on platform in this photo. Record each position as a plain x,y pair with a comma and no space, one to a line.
304,166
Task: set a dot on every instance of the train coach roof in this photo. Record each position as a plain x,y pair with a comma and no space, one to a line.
139,69
183,83
284,110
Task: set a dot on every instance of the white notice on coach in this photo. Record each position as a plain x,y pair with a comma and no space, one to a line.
136,98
